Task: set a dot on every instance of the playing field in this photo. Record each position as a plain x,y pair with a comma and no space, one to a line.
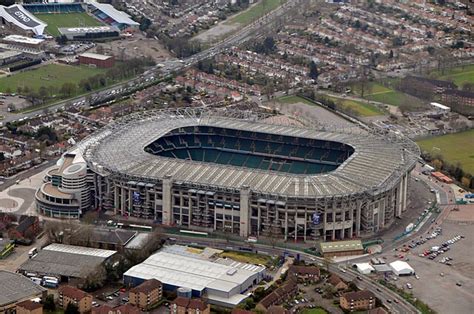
256,11
380,93
56,20
458,75
361,109
52,76
454,148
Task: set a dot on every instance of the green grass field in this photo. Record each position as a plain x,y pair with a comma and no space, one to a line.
245,257
380,93
248,16
52,76
291,99
361,109
454,148
55,21
458,75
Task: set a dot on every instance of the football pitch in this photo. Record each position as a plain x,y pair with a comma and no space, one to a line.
57,20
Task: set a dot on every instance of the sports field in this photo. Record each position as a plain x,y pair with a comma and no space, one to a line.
361,109
56,20
380,93
255,11
458,75
454,148
52,76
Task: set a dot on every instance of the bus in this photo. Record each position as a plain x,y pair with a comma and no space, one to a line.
32,252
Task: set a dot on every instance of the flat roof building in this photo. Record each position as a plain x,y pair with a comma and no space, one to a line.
15,288
101,61
341,248
223,280
66,261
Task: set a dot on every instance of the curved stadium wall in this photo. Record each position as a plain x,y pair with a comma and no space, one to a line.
205,171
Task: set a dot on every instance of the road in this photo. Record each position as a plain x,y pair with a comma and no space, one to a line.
379,290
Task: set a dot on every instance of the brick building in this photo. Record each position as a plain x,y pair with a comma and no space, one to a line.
182,305
355,301
122,309
28,227
287,290
29,307
146,294
337,282
100,61
80,298
454,96
304,273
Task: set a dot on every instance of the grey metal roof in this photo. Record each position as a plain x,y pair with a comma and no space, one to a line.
120,147
16,287
72,261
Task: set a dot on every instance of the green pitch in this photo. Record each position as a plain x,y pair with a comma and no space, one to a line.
457,147
255,11
51,76
57,20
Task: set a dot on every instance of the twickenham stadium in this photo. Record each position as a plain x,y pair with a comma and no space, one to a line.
235,172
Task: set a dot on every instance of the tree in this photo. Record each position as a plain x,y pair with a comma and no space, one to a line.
313,70
71,308
391,54
438,164
2,156
67,89
465,181
48,303
95,280
43,93
61,40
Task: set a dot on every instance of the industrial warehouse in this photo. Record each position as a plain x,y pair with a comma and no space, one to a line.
222,281
65,262
206,171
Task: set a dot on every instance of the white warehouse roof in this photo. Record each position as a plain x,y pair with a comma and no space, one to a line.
402,268
81,250
189,272
364,268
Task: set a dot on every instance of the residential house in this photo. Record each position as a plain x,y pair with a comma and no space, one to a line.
304,273
287,290
182,305
29,307
357,301
81,299
122,309
28,227
274,309
146,295
337,282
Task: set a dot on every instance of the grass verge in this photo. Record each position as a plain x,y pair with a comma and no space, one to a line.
255,11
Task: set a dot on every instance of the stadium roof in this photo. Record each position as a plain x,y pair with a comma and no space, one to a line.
15,287
22,39
18,15
119,148
341,246
86,30
116,15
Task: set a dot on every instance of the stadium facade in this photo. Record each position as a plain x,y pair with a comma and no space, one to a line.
237,173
